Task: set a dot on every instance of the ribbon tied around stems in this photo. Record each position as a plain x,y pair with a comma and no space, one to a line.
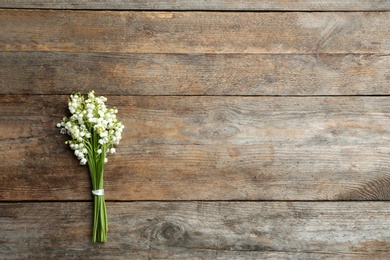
98,192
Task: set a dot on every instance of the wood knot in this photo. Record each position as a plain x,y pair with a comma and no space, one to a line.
171,234
377,189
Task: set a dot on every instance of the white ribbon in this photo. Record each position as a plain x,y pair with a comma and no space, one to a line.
98,192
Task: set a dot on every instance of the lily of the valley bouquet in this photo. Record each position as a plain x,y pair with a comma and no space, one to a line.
94,130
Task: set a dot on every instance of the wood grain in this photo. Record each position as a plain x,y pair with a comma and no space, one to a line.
234,147
198,230
193,74
206,148
194,32
217,5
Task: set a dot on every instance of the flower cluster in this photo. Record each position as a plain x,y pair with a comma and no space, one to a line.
93,127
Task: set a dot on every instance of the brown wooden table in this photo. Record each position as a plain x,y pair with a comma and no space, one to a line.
254,129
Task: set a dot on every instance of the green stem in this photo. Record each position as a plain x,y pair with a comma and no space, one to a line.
96,169
100,220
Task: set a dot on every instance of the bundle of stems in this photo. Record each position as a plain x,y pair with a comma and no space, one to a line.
96,171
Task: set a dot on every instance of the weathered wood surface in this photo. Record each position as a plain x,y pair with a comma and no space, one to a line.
182,82
198,230
206,148
194,32
206,5
193,74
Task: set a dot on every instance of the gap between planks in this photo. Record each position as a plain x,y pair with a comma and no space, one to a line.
227,95
194,201
216,5
196,10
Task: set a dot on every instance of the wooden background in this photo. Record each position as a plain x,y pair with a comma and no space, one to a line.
254,129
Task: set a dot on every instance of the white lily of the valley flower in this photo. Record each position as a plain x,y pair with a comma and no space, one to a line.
88,117
94,130
83,161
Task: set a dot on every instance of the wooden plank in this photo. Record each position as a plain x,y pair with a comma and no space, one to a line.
194,32
198,230
196,74
206,148
217,5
